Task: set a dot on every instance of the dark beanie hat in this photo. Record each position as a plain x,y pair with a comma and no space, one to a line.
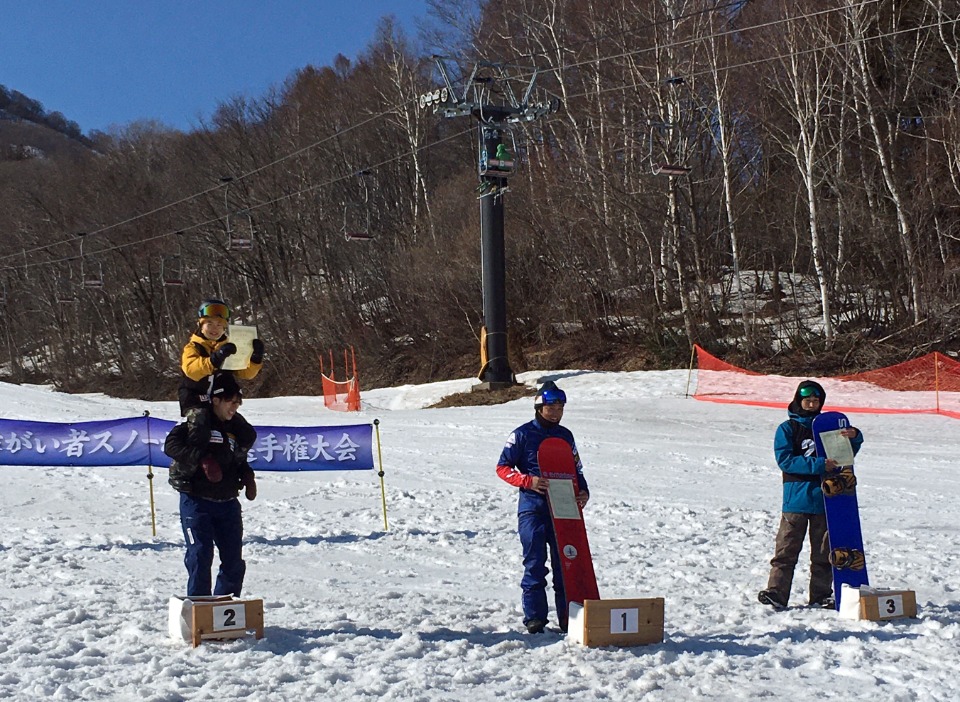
810,385
225,386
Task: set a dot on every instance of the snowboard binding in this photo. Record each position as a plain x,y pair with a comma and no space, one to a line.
840,482
848,558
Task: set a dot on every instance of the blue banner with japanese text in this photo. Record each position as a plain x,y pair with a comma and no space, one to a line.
138,441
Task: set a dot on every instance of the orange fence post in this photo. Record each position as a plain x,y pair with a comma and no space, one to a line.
693,353
936,377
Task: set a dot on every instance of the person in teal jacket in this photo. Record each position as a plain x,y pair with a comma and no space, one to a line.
803,508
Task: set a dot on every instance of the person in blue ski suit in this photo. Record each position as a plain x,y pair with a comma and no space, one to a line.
803,471
518,466
209,467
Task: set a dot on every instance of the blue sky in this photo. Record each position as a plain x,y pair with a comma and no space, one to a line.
112,62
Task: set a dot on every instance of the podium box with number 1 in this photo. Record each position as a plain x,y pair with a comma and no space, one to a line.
625,622
196,619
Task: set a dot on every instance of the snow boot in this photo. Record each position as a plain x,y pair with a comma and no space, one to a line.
772,598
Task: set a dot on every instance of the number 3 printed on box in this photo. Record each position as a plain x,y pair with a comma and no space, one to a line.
891,606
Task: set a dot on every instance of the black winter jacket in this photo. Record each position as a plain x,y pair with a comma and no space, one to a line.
226,442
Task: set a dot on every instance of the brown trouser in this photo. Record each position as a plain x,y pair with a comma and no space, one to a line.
793,527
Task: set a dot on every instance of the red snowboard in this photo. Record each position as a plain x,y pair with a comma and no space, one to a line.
558,465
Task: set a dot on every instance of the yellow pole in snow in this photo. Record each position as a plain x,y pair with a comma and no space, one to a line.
383,489
153,507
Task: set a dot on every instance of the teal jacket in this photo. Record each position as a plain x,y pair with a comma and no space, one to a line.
797,457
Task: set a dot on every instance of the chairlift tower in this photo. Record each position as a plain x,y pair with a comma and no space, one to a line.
495,164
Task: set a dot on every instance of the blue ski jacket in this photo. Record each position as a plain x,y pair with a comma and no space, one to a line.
796,451
518,462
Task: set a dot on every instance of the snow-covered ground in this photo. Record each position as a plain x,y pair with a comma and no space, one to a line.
685,503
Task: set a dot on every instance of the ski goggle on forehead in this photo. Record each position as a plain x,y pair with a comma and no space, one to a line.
809,391
214,309
553,397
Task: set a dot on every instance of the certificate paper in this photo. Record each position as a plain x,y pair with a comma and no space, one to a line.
243,337
563,500
837,447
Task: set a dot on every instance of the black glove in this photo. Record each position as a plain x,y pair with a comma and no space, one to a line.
257,356
220,355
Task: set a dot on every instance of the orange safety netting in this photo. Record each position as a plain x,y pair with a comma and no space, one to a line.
341,395
930,384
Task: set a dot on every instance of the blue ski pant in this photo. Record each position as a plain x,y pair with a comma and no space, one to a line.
207,524
536,536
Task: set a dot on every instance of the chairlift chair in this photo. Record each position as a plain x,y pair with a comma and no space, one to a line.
670,169
171,266
666,168
356,223
357,220
91,275
91,272
236,240
241,241
502,163
171,271
66,288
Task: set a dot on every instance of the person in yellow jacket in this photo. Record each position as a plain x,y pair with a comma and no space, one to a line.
203,355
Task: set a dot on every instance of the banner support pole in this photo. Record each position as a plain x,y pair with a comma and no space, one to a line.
383,490
153,507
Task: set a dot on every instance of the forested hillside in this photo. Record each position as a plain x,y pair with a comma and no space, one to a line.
810,222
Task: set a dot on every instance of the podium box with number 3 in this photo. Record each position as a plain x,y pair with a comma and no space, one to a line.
877,605
196,619
625,622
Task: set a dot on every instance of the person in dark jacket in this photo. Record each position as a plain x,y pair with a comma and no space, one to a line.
209,468
518,466
803,508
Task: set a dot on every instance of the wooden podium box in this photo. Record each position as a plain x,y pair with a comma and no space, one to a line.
876,605
197,619
625,622
230,619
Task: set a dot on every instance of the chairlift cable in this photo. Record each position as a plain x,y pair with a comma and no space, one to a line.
676,44
393,108
390,111
267,203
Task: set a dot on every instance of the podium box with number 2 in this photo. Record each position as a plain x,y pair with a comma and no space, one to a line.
625,622
196,619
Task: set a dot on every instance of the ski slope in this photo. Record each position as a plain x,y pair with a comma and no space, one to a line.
685,499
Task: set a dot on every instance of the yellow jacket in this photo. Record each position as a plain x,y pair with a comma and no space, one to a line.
196,365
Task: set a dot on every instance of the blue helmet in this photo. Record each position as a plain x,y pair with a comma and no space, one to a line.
549,394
